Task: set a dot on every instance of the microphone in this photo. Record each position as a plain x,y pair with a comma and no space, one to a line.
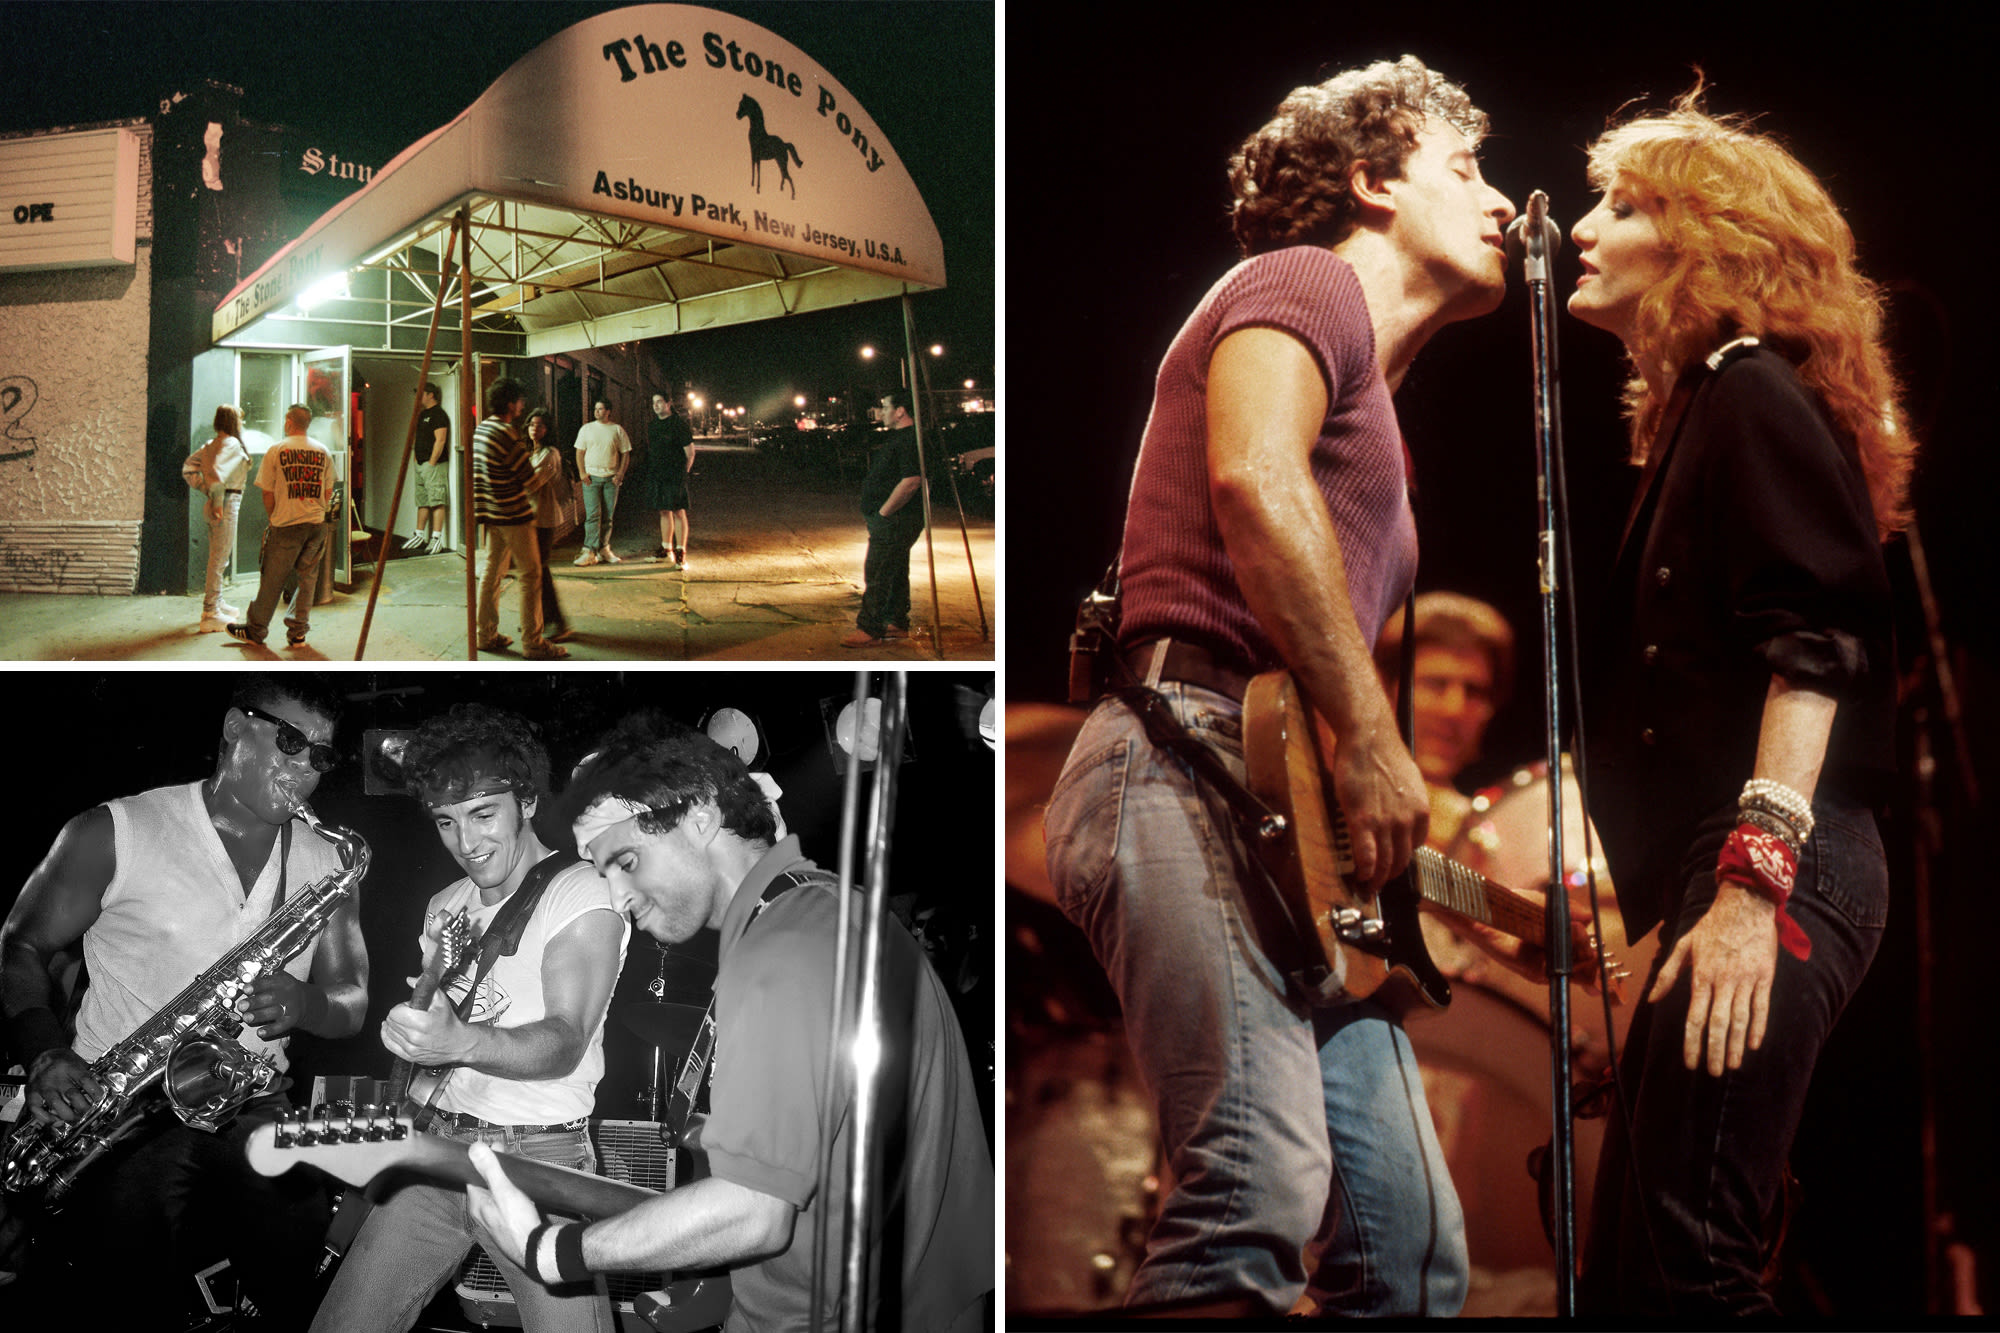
1534,237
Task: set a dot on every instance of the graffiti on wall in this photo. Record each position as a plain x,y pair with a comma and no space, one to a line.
43,565
17,399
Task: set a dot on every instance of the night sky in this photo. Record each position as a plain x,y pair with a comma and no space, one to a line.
382,76
1119,145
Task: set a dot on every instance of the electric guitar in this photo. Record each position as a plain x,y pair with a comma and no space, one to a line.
417,1084
360,1149
1286,749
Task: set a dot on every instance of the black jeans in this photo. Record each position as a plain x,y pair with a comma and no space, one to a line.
171,1203
886,599
1687,1234
552,614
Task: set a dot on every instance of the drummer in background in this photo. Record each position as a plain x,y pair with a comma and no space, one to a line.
1464,672
1462,675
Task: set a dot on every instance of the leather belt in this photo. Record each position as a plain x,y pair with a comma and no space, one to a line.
1188,663
460,1120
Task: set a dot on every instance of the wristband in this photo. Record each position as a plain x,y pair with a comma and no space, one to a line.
1762,863
569,1253
531,1255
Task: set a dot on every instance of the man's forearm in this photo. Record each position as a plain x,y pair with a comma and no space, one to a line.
346,1008
707,1224
547,1048
1289,567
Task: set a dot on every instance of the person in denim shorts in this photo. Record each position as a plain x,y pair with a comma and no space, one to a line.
1269,526
524,1060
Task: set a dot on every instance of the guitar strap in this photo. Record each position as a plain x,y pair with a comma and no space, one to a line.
1256,821
696,1067
501,938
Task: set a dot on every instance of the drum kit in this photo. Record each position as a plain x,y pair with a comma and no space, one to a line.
1083,1165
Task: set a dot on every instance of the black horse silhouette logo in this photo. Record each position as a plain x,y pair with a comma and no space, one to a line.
764,145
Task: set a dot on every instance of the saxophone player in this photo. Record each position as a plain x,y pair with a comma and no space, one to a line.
153,889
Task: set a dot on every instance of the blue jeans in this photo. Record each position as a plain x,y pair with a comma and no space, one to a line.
1298,1136
600,503
416,1239
1687,1237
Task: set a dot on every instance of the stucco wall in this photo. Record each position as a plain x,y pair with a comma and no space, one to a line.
73,419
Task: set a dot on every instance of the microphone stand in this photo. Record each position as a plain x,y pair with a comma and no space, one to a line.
1537,237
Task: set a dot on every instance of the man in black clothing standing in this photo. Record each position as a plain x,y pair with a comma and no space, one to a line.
433,472
895,513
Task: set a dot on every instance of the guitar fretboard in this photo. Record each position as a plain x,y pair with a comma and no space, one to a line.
1467,893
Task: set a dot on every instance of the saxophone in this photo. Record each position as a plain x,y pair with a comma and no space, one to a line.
188,1049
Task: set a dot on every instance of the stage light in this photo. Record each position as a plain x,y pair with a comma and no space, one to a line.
856,737
975,715
736,731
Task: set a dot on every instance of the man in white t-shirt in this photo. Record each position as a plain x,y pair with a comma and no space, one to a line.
603,452
296,479
523,1041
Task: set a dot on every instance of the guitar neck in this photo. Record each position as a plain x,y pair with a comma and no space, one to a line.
1465,892
557,1188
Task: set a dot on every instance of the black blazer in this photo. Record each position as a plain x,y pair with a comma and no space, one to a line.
1751,552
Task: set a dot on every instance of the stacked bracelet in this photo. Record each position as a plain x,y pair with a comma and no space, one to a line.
1773,825
1775,798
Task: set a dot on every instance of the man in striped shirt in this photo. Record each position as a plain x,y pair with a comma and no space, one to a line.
503,480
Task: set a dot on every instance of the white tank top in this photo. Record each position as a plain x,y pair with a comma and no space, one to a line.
175,906
511,995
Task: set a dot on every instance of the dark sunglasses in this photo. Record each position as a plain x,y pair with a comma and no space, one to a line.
291,740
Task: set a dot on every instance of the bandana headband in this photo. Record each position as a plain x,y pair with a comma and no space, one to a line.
604,814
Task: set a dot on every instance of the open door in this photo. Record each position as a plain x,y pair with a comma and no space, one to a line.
329,384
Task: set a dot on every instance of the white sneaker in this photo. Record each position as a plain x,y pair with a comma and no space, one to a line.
589,557
227,612
416,539
612,557
213,624
436,545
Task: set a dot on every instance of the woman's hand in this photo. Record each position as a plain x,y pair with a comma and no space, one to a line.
1732,955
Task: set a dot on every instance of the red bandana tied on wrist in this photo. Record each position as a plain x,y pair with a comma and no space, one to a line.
1763,864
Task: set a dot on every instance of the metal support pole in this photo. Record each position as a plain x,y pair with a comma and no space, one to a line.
923,470
468,416
409,441
865,1049
964,534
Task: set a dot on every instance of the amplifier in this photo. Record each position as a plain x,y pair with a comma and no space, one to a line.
627,1150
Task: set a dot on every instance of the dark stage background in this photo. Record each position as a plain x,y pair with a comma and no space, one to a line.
1121,138
109,735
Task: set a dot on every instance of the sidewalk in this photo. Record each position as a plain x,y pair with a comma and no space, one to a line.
774,574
